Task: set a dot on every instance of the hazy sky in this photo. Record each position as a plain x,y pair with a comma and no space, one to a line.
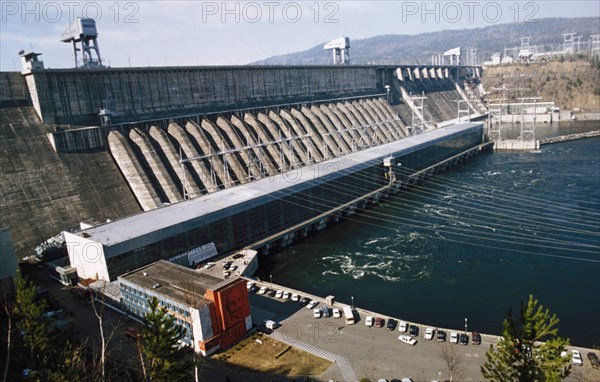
159,33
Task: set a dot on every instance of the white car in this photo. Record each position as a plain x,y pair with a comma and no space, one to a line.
453,337
279,294
312,304
369,321
337,313
209,265
262,290
403,327
295,297
286,295
576,359
317,313
429,332
407,339
249,284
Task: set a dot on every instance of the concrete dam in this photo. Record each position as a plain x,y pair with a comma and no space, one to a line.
188,133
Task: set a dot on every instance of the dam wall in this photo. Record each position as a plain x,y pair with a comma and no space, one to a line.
430,96
178,133
76,96
43,192
13,90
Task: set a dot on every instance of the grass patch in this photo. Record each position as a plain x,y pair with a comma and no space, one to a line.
272,357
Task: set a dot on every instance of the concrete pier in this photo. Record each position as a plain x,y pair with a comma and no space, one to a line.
516,145
570,137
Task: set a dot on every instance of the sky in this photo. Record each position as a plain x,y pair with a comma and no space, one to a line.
178,33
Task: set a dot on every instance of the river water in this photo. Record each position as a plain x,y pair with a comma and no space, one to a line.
470,243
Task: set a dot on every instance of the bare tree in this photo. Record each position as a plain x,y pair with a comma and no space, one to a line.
105,338
450,356
8,310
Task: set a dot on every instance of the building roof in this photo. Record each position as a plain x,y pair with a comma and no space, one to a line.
175,282
152,226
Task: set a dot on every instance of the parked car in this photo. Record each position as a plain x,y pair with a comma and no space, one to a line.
271,293
379,322
413,330
305,301
270,324
369,321
441,336
337,313
407,339
326,311
286,295
594,360
208,265
429,333
403,327
317,313
476,338
295,297
279,294
312,304
249,284
253,289
391,324
464,339
262,290
576,359
453,337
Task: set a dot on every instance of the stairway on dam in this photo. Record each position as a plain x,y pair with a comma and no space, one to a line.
43,192
166,165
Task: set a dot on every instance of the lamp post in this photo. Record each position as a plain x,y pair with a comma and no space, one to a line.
352,298
271,277
465,325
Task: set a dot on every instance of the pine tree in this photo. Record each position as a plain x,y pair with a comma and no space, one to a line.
520,356
165,360
30,320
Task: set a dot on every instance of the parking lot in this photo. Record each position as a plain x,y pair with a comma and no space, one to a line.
376,352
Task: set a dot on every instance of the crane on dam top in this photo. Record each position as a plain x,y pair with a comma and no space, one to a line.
454,55
83,30
340,48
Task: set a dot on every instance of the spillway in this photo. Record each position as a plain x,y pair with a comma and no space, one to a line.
226,151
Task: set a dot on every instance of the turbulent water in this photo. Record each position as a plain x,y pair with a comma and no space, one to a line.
470,243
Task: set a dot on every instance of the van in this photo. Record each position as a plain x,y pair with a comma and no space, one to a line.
348,315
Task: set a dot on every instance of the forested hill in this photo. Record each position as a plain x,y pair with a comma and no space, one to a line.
412,49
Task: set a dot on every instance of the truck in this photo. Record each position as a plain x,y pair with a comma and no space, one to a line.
348,315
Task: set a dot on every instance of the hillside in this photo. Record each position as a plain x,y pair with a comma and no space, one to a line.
412,49
571,84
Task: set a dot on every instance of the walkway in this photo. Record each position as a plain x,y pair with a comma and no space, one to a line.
341,362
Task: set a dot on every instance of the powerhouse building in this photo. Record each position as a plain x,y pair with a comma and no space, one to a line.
215,313
298,201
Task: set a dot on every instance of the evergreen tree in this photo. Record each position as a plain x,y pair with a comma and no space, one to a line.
31,321
520,356
164,359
